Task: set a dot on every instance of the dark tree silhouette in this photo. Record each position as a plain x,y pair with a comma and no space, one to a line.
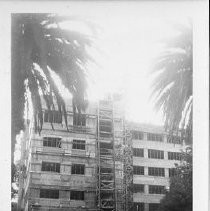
39,46
172,87
179,197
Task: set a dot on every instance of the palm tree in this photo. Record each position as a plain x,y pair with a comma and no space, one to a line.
172,87
41,46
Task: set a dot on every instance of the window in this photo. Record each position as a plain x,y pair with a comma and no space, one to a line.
48,193
52,116
172,172
137,135
77,195
156,189
154,207
157,154
138,206
138,188
78,144
154,137
173,139
54,167
78,169
52,142
79,119
152,171
138,170
174,156
138,152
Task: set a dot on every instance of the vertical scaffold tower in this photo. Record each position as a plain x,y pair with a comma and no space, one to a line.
128,171
114,155
106,159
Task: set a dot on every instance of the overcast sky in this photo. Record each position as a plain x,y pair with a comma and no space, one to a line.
129,40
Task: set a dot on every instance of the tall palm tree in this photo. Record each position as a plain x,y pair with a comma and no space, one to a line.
39,46
172,87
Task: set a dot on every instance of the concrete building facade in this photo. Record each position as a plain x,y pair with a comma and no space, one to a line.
83,168
154,156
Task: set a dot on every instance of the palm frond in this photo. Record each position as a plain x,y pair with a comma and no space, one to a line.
39,41
172,86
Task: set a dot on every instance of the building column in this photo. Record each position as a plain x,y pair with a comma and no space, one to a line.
145,153
145,137
165,155
146,189
167,172
146,171
165,138
146,207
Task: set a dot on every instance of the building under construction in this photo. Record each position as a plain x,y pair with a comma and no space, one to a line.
101,163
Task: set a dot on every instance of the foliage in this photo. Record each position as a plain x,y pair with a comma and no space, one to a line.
40,46
179,197
14,179
172,87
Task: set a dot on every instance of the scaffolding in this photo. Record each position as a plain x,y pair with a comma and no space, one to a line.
128,171
114,156
106,159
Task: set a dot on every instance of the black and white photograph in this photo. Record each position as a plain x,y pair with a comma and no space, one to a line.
104,111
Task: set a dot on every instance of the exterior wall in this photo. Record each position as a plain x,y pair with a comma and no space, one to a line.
146,162
64,181
34,153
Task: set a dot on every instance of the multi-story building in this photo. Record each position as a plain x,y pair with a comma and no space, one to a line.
154,156
99,163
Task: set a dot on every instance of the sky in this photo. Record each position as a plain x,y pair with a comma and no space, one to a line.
125,45
128,44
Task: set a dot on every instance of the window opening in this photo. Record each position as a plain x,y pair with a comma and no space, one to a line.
174,156
52,142
138,188
138,206
79,119
52,116
156,189
53,167
137,135
48,193
77,195
78,169
138,152
156,154
138,170
173,139
154,137
154,207
78,144
152,171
